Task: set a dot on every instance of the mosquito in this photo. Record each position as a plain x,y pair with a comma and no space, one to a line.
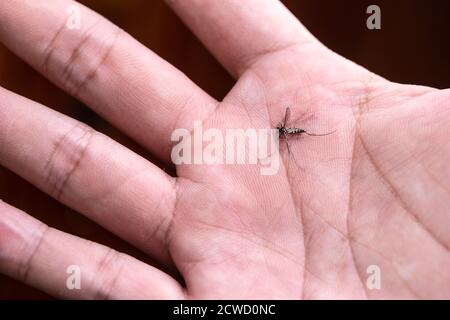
284,131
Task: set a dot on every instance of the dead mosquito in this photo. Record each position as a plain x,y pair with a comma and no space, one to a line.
284,132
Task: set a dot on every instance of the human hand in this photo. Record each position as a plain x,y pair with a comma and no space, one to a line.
373,193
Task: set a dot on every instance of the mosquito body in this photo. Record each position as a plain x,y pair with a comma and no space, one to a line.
285,132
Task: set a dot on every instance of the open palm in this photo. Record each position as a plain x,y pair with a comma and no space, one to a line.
374,194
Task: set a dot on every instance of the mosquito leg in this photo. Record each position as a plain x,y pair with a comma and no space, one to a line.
287,143
290,153
266,158
318,135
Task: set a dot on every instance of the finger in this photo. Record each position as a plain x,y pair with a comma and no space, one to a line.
104,67
87,171
239,33
54,261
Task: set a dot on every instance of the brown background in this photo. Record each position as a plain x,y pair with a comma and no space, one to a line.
412,47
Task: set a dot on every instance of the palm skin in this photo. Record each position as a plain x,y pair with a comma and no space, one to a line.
353,201
373,193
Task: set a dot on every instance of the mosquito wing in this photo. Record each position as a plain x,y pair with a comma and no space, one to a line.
287,116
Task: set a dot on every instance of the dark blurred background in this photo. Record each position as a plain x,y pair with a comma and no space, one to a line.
412,47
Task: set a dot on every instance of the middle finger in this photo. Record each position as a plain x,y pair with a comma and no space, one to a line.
104,67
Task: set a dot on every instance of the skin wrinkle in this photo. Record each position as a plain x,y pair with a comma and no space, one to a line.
186,272
48,52
57,146
342,233
168,231
298,213
177,119
179,196
93,73
287,177
399,99
307,243
283,282
392,263
349,213
192,262
106,264
307,270
173,215
269,248
8,127
160,227
359,138
435,179
69,68
238,217
397,196
262,243
109,193
262,90
60,191
191,130
177,122
61,180
357,116
192,181
40,235
190,265
248,62
432,176
291,194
